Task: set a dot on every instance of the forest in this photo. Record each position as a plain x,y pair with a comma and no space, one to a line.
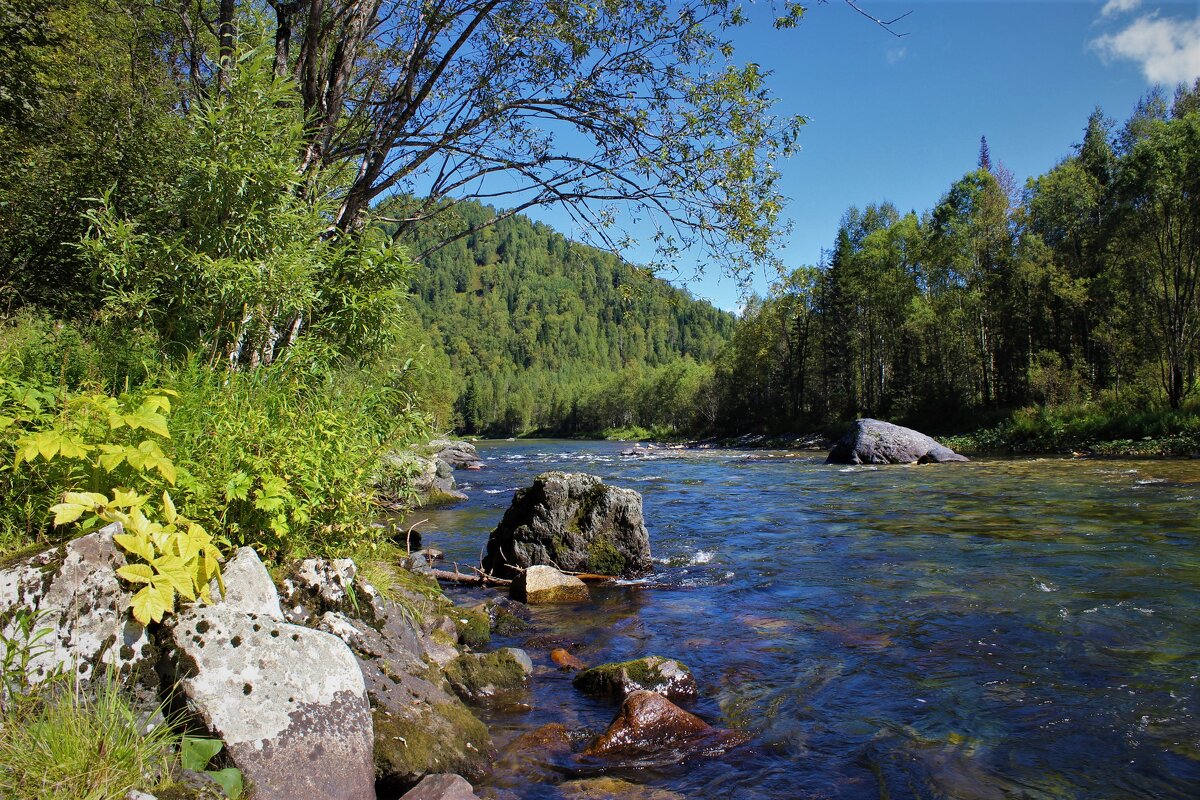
1050,314
1062,310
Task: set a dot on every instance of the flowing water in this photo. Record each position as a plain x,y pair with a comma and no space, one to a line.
999,629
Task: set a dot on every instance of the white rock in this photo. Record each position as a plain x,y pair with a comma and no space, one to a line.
248,585
289,702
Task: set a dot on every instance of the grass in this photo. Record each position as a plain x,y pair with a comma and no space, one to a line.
65,743
1102,427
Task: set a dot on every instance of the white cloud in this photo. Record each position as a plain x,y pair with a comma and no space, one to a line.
1168,50
1119,7
896,54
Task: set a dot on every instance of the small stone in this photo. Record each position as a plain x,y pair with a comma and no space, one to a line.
654,673
441,787
541,584
563,658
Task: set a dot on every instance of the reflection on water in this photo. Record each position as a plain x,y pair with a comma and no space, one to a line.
998,629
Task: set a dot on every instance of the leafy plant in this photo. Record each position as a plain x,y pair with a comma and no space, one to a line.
196,753
178,557
19,648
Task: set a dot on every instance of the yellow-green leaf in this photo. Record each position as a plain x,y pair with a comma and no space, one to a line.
178,572
124,498
153,601
146,417
168,509
65,513
136,573
138,544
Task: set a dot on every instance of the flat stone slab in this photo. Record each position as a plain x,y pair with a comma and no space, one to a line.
289,702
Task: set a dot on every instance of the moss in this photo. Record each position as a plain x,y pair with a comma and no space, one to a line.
507,623
475,676
474,627
447,737
604,558
611,679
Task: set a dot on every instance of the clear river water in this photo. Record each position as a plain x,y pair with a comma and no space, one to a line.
999,629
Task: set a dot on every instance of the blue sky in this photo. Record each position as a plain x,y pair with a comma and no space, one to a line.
899,119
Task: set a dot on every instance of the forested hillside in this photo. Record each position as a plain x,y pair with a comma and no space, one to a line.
549,334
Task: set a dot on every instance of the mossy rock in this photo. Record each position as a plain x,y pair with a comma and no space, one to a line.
479,677
474,626
441,737
653,673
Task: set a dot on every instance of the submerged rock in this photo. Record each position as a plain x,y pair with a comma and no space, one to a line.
441,787
607,788
574,521
873,442
477,677
653,673
541,584
565,661
650,728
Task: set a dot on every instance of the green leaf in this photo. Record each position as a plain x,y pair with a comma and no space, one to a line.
195,752
136,573
230,780
169,513
146,417
153,601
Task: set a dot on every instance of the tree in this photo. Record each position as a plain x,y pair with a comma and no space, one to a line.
592,106
985,156
1159,186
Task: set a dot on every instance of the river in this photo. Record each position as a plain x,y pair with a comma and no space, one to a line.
999,629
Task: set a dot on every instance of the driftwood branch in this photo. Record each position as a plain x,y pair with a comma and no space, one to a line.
477,579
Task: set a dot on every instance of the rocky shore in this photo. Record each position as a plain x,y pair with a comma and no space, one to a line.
322,685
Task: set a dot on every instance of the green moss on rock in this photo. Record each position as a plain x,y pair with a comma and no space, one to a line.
476,677
474,627
445,737
604,558
653,673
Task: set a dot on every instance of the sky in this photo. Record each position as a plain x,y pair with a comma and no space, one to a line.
899,118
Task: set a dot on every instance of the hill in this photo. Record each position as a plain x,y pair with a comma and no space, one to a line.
551,335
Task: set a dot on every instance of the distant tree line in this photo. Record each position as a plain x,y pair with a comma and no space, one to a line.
1082,286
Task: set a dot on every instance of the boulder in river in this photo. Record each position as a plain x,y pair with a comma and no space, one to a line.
575,522
653,673
650,728
541,584
871,441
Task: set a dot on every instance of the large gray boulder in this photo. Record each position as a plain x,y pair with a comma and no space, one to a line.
74,594
288,701
873,442
574,522
420,727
